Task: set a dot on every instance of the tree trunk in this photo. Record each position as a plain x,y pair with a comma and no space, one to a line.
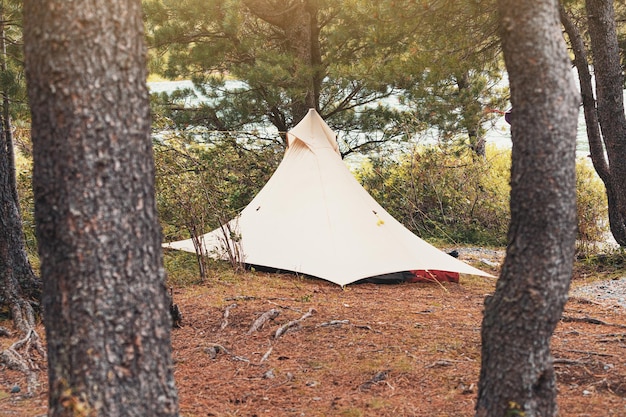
105,302
18,283
594,137
517,375
610,107
298,21
6,114
472,122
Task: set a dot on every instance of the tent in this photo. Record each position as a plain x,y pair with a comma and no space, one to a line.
314,218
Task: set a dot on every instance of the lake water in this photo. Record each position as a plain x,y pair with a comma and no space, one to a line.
498,134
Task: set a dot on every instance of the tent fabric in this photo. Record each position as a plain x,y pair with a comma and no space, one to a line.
314,218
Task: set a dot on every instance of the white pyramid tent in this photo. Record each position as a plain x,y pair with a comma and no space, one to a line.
314,218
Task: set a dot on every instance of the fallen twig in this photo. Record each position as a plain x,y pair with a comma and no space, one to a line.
334,323
561,361
258,323
614,337
590,320
586,352
288,379
339,323
226,314
282,329
267,355
214,349
582,300
380,376
366,327
240,298
441,363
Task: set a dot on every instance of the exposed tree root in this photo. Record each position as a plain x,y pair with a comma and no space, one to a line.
294,323
265,317
18,356
226,315
23,362
267,355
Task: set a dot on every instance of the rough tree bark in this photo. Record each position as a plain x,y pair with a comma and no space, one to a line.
20,289
609,79
19,286
105,302
594,136
517,375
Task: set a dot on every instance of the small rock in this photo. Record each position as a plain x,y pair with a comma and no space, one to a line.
15,389
585,392
211,351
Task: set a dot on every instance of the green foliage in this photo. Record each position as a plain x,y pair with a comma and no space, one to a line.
445,195
24,176
610,261
359,54
12,78
460,84
449,195
181,268
202,186
591,204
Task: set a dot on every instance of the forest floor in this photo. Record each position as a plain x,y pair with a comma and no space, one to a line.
365,350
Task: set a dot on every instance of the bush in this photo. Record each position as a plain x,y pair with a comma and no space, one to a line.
443,195
24,178
202,186
455,197
591,205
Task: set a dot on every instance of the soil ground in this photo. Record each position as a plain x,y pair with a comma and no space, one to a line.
365,350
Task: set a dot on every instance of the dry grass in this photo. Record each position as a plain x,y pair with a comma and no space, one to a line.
399,350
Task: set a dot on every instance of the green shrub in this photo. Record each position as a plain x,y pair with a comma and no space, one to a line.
591,204
200,186
24,177
442,195
454,197
591,210
181,268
